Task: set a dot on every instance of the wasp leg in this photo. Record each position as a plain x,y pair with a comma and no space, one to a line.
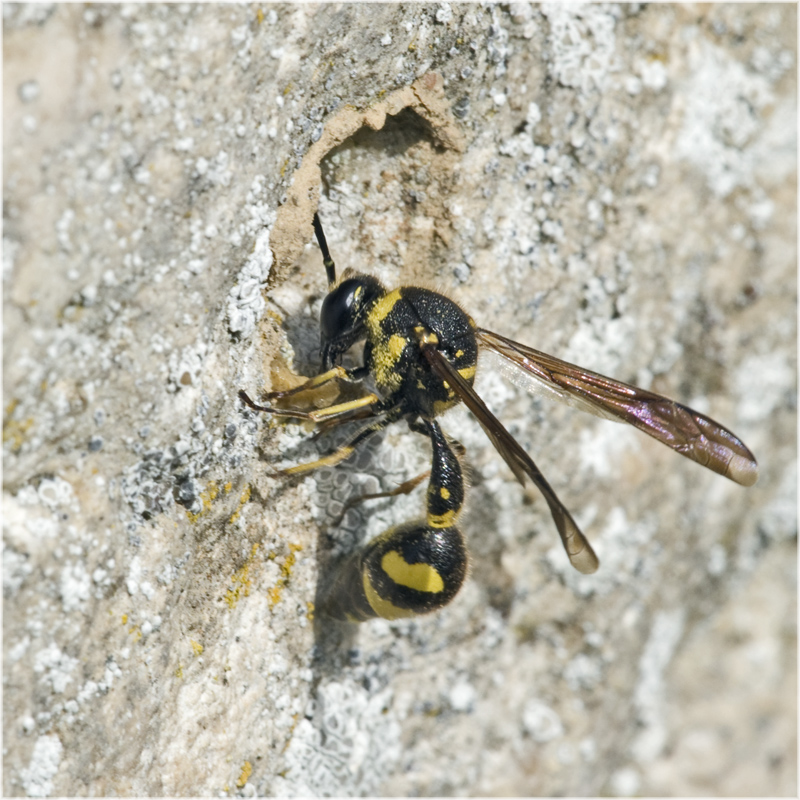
413,568
341,453
350,375
404,488
325,425
353,408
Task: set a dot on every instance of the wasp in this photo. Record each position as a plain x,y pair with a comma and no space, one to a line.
421,351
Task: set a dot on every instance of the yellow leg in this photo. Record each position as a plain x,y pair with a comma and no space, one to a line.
325,425
340,409
311,383
342,453
331,460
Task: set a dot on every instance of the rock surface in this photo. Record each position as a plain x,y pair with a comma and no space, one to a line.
614,185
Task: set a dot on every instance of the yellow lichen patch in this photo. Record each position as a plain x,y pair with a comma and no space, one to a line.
135,632
124,619
207,497
179,672
272,314
196,646
241,581
274,594
242,500
14,431
260,16
247,771
227,487
310,613
286,569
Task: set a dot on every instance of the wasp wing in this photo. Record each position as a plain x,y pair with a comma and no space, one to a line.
578,549
685,430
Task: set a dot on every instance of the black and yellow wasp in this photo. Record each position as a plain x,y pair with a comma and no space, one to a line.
421,350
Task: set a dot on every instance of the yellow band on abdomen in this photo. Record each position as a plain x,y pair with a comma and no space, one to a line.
383,608
446,520
421,577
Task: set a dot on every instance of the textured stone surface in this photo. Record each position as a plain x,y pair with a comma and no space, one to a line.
611,184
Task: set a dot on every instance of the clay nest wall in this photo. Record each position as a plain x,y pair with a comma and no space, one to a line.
614,185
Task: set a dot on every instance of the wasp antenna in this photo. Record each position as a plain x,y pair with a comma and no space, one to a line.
330,267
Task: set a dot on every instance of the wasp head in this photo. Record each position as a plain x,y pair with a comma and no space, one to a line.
344,314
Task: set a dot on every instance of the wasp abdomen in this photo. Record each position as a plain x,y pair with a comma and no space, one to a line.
416,567
408,570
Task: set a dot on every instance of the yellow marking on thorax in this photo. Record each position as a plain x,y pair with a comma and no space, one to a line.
382,309
385,351
397,344
467,373
440,406
421,577
385,355
425,337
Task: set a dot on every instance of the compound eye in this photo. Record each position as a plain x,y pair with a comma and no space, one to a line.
338,309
